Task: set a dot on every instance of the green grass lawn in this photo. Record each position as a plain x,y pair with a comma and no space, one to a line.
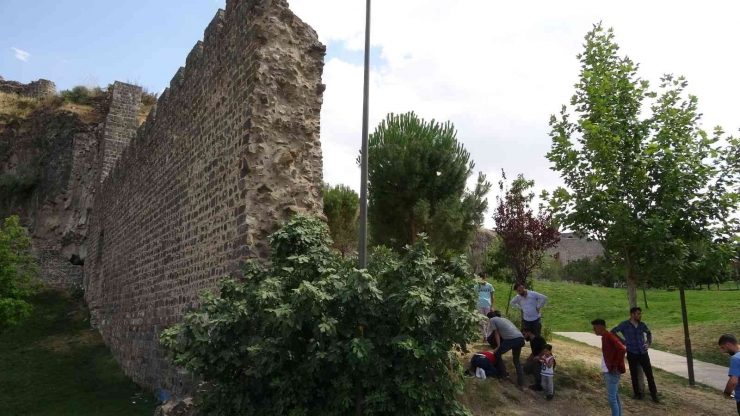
53,364
571,307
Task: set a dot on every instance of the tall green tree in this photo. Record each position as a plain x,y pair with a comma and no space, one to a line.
341,207
630,177
17,269
417,174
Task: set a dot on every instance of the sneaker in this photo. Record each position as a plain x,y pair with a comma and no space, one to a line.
536,387
482,374
550,396
477,372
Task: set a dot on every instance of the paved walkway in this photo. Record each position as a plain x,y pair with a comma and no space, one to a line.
709,374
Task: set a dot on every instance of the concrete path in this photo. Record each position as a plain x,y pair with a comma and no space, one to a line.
709,374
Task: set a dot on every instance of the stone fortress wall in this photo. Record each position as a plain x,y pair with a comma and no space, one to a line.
35,89
228,154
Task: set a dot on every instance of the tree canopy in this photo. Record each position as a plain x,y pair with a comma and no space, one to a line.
341,207
637,182
417,174
523,236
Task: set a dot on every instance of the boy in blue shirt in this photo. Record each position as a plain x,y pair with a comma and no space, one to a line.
485,301
728,343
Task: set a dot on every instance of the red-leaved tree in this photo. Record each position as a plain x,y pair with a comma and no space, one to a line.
523,236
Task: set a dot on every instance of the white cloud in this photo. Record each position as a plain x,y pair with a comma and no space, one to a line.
498,70
20,54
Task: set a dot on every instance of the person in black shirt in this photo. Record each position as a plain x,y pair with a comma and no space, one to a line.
533,365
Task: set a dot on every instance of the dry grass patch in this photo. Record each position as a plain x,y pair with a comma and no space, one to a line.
703,341
580,390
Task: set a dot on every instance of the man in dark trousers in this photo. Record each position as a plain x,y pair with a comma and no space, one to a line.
507,337
533,365
634,332
612,363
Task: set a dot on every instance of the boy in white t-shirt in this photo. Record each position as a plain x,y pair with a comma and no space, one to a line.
548,371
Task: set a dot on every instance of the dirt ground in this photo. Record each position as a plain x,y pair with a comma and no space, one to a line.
579,390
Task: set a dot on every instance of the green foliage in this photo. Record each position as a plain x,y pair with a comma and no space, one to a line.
314,336
81,95
17,269
53,364
417,174
550,269
16,186
643,186
341,207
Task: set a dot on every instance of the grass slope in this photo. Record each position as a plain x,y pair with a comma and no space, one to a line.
53,364
571,307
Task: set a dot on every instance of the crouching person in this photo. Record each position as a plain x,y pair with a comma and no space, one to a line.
483,364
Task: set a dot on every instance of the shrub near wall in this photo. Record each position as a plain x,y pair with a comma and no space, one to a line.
312,336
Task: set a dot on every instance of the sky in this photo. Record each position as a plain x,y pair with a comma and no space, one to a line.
496,69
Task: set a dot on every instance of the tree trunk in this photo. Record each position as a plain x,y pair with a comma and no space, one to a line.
508,300
687,340
631,287
644,297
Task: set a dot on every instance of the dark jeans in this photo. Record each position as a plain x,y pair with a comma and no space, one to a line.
534,326
738,408
479,361
492,341
534,368
515,346
641,360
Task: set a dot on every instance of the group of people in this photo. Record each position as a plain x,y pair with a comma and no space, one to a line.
505,336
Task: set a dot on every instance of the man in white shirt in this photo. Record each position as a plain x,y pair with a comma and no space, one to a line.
530,303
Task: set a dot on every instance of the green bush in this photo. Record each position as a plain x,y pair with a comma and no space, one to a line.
16,185
17,269
314,336
81,95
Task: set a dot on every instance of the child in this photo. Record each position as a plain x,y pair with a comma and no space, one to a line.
548,371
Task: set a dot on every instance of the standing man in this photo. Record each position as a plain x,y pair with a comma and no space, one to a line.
508,338
530,303
728,344
485,301
634,332
533,365
612,363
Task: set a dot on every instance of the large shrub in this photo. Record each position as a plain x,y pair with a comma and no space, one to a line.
314,336
17,269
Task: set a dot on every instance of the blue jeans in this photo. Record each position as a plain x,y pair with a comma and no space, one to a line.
612,393
515,346
479,361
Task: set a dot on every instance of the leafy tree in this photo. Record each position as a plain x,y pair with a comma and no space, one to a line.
314,336
524,236
341,207
417,174
17,269
633,181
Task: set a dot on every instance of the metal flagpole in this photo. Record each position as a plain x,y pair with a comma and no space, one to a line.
362,243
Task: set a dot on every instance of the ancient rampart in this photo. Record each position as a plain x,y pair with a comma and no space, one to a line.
229,153
34,89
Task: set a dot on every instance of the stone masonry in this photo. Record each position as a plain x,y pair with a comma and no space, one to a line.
35,89
120,125
230,152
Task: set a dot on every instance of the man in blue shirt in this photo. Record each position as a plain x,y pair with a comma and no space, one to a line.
634,331
728,344
530,303
485,301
